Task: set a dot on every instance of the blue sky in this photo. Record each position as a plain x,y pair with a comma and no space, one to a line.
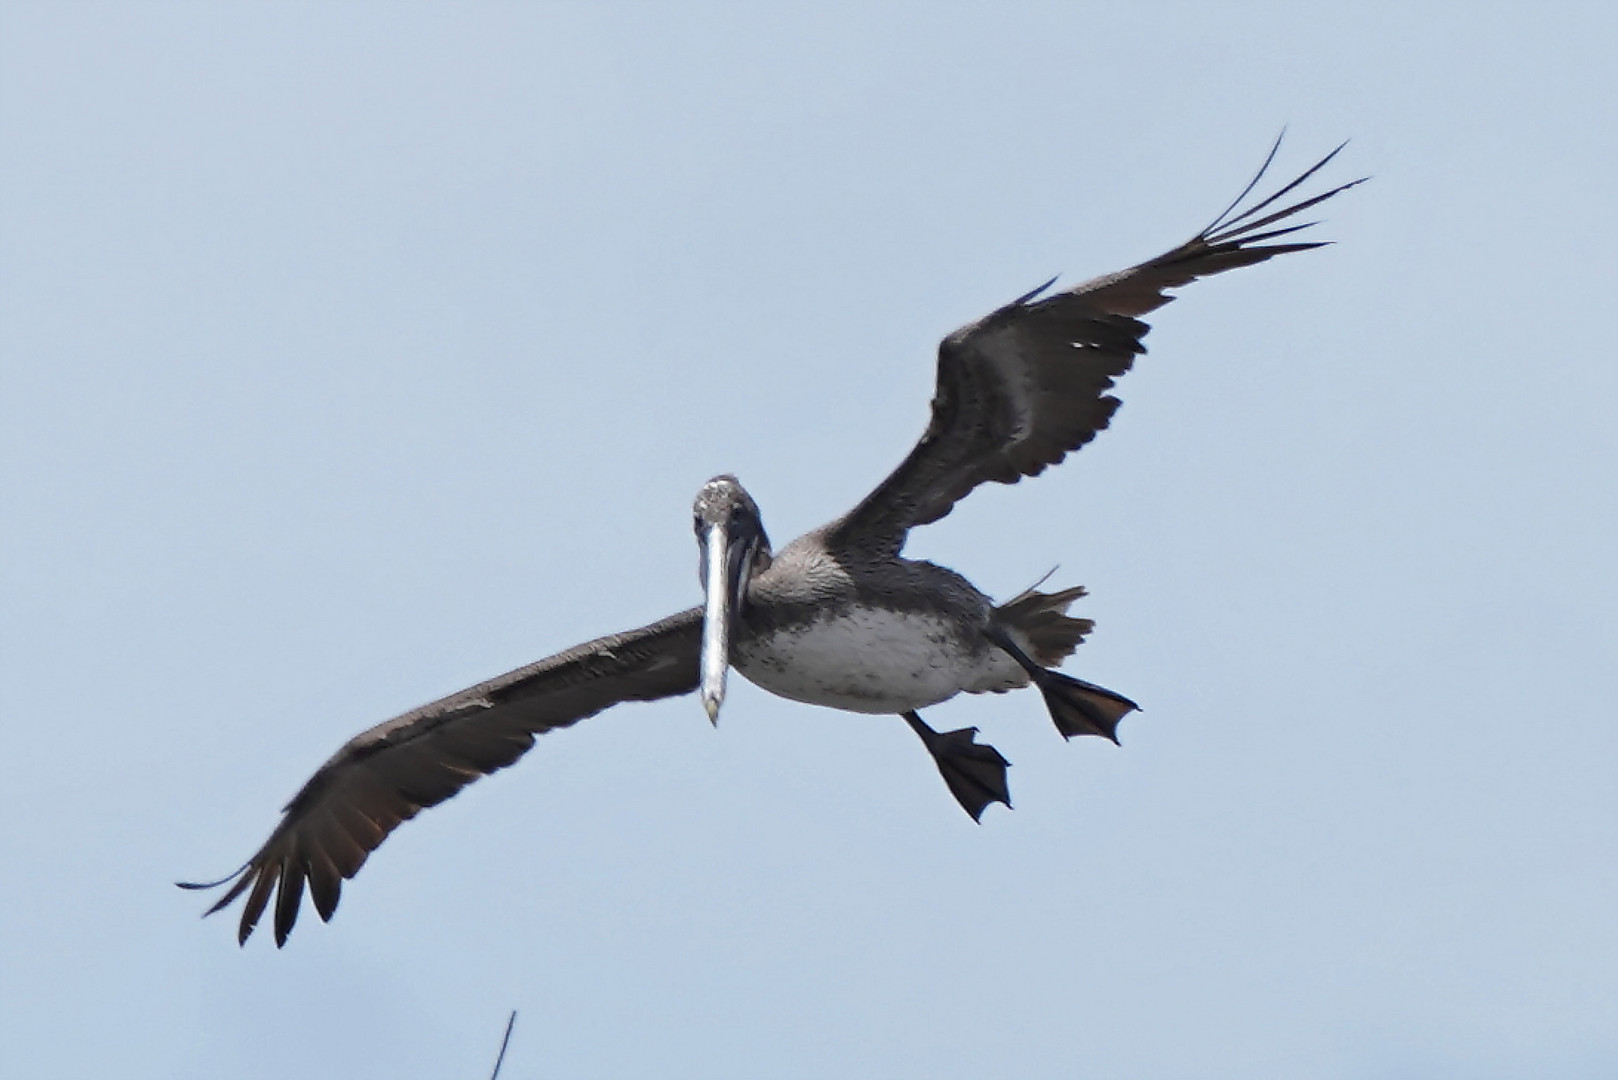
355,353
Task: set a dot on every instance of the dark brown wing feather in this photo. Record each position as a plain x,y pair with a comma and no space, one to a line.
1019,390
383,776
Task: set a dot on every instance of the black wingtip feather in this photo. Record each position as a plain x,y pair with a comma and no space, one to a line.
1269,159
287,901
1225,222
1240,231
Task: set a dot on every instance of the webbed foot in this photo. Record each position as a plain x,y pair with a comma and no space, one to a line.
1077,707
1081,708
975,772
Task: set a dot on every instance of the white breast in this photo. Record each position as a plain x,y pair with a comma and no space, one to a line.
868,661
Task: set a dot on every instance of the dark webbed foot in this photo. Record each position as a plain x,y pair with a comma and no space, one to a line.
1076,707
974,771
1081,708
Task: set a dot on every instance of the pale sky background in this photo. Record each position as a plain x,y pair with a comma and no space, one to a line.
355,353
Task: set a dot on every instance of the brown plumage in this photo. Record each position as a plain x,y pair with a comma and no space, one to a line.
386,775
1023,387
1043,620
1017,391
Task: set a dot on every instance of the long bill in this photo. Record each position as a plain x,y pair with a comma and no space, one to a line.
716,618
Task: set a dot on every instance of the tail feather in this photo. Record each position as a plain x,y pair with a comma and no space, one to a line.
1041,619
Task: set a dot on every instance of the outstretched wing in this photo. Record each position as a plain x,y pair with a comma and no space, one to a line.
383,776
1020,389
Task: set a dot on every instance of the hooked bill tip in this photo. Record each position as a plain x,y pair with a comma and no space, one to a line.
711,702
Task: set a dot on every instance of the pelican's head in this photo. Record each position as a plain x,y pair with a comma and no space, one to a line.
730,536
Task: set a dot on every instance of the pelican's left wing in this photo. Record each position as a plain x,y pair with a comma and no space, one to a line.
1020,389
383,776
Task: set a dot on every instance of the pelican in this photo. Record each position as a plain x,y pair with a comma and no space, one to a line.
837,617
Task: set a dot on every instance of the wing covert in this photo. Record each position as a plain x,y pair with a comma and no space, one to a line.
386,775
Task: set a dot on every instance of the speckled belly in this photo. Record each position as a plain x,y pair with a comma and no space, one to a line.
868,661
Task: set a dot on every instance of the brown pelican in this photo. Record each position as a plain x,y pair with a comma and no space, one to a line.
835,618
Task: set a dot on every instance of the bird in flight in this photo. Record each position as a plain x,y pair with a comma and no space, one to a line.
838,617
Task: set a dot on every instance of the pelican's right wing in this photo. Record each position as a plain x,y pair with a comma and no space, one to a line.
383,776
